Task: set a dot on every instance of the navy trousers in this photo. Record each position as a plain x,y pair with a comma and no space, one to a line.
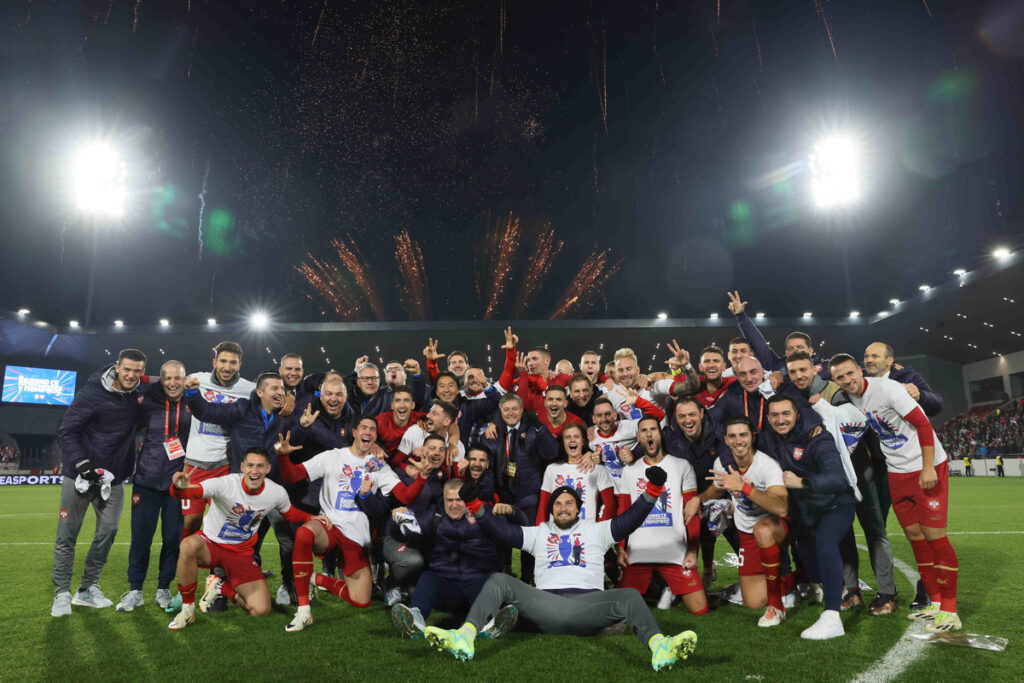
148,507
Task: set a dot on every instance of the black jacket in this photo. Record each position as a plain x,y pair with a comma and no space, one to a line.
700,454
155,469
246,423
534,449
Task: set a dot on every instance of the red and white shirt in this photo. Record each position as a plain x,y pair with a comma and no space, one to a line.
235,512
623,436
207,442
389,434
592,487
662,538
762,473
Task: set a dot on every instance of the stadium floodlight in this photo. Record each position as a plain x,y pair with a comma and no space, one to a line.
854,314
714,316
164,322
924,288
118,323
894,302
72,323
211,321
22,312
959,272
259,320
835,165
808,314
98,176
759,316
1001,253
663,316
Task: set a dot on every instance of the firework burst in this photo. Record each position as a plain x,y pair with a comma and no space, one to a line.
590,278
349,289
537,268
495,264
413,282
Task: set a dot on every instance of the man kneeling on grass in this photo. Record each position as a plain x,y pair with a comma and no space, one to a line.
239,504
569,575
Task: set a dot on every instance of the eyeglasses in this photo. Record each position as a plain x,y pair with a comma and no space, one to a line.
369,379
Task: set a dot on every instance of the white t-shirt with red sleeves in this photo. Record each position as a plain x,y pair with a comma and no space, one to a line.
589,485
661,539
762,473
343,472
884,404
416,436
624,436
235,513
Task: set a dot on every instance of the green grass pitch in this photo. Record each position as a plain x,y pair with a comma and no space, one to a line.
349,643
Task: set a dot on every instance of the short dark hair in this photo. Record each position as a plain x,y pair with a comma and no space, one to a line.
131,354
573,425
394,362
580,377
477,446
687,399
645,417
541,349
556,387
263,377
365,418
590,352
403,389
445,373
799,335
228,347
779,398
738,420
715,348
465,356
433,437
841,358
738,340
602,401
799,355
290,355
449,408
258,450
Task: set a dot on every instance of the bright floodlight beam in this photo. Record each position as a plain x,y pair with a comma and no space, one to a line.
1001,253
835,165
98,181
259,320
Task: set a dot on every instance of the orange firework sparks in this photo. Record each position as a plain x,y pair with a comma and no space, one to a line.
353,260
537,269
590,278
349,290
413,284
495,265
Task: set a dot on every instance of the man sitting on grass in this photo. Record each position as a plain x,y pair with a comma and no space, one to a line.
569,575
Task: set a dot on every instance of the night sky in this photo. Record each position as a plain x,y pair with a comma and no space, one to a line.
671,137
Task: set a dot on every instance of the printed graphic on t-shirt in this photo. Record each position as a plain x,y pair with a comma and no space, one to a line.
611,460
566,550
211,396
241,523
573,483
887,434
661,513
348,484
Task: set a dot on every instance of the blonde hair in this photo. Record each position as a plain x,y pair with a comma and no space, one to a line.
626,352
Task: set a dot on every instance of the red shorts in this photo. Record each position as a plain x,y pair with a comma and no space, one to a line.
239,565
914,505
680,581
750,553
196,506
353,556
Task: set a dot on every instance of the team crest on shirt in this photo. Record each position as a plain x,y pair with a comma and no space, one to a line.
566,550
661,513
798,453
241,523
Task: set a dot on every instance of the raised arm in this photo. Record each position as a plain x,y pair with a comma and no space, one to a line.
629,521
749,330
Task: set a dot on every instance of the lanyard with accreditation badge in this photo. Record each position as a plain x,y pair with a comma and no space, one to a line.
172,444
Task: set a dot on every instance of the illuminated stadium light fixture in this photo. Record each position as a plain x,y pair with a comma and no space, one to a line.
164,322
894,302
959,272
211,321
759,316
663,316
854,314
714,316
259,320
72,323
118,323
924,288
98,180
22,312
808,314
835,165
1001,253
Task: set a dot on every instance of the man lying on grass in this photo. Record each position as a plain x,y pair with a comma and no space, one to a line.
569,598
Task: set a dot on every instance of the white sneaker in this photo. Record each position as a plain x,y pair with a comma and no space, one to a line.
61,604
665,601
828,625
129,601
282,597
185,617
789,600
408,620
163,597
393,597
211,593
772,617
91,597
303,618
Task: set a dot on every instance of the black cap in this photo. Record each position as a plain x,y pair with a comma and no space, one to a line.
559,491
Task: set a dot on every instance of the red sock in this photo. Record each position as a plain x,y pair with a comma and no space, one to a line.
302,563
947,567
188,593
344,595
786,583
925,558
770,567
227,591
338,587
